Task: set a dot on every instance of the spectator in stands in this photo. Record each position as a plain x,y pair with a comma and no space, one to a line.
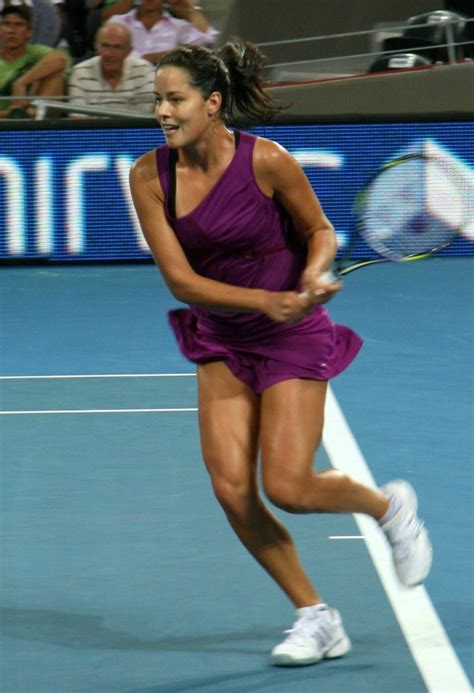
156,31
26,69
46,20
113,78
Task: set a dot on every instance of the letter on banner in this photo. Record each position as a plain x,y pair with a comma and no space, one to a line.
123,164
44,206
76,201
14,206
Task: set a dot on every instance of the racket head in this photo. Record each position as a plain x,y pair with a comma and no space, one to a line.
413,207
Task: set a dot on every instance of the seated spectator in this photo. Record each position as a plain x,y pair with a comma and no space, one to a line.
26,69
46,20
113,78
156,31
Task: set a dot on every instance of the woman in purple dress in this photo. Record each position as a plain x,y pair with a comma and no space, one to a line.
239,235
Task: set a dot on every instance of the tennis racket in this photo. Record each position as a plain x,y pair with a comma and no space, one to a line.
413,207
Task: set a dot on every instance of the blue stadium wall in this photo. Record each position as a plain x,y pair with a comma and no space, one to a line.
64,195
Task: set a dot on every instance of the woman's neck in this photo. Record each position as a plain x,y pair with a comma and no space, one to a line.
209,151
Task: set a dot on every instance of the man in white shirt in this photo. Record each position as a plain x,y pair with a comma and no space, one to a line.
113,78
155,31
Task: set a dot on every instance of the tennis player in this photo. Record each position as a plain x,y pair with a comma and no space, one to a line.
239,235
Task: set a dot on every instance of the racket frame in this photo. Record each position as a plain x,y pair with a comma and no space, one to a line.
341,268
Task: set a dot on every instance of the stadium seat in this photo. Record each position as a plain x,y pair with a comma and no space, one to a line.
398,61
425,33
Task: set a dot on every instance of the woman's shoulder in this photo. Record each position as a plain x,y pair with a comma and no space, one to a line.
268,155
145,165
144,171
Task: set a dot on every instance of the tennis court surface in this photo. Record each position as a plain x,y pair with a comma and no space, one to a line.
118,570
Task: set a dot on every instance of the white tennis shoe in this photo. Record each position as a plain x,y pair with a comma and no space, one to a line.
316,634
411,547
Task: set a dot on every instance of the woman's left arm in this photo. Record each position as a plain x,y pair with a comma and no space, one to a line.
278,174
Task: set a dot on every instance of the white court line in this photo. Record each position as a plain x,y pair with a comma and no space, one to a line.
100,375
95,411
92,411
430,647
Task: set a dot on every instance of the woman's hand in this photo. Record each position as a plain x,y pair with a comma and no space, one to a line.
319,286
287,306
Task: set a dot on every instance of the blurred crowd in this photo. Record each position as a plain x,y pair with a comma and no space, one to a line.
100,54
89,58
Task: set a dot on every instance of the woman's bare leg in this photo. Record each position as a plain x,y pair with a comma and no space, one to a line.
292,417
229,426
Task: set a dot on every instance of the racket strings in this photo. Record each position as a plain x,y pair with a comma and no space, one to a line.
414,207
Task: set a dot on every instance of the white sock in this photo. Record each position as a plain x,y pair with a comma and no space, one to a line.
313,609
320,607
393,508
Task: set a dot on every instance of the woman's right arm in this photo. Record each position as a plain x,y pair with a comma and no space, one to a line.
184,283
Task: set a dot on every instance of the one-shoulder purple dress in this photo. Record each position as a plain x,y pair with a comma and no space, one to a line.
238,236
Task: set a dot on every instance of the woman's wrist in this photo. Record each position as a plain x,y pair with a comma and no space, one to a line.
261,298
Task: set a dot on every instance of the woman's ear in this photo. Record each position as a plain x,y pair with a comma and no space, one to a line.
214,103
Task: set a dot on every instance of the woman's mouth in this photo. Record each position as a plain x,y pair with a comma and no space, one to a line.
169,129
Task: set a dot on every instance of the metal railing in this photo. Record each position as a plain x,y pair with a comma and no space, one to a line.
358,62
371,55
44,105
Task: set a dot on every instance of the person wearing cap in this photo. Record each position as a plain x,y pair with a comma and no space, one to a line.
26,69
45,19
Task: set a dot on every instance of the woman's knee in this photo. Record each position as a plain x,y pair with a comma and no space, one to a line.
237,498
286,492
308,492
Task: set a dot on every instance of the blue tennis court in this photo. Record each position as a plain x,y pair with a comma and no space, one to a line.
119,572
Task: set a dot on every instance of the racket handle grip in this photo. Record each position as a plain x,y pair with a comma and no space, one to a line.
328,277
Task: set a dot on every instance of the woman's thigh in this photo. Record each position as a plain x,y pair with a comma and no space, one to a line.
228,425
291,426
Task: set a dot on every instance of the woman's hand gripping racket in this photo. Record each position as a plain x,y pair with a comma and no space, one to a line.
412,208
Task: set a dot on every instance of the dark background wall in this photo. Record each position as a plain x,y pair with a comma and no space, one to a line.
438,91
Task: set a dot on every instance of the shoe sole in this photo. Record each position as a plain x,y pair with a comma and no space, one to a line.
339,649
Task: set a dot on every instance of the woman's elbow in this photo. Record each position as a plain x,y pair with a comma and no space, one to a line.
180,288
332,242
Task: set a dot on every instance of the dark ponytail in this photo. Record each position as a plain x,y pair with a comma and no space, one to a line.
235,71
246,64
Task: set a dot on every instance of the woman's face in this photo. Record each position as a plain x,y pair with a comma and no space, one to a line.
181,110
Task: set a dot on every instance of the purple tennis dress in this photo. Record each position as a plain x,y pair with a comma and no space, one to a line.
238,236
